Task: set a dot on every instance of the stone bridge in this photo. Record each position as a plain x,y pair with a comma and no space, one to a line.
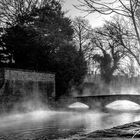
103,100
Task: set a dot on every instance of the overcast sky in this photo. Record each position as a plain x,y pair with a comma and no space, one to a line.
94,19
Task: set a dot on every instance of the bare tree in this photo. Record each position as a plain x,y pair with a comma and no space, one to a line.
82,30
108,50
123,35
126,8
129,70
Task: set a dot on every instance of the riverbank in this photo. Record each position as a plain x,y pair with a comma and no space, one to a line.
130,131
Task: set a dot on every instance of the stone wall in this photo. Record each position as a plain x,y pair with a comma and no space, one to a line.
22,85
11,74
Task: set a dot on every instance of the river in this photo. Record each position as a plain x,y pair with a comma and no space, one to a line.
58,125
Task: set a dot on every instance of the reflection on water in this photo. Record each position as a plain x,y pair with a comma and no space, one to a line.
123,105
57,124
78,105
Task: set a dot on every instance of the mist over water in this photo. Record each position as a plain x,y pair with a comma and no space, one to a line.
37,120
59,124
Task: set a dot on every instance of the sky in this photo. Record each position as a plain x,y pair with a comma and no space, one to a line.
95,20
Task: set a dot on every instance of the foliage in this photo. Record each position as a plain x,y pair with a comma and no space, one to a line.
70,68
43,45
21,43
50,20
106,69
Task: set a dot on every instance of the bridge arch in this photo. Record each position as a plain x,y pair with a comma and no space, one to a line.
103,100
123,105
111,99
78,105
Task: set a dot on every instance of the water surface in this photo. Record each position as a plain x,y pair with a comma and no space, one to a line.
61,124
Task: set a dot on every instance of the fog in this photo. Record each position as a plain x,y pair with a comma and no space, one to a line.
40,116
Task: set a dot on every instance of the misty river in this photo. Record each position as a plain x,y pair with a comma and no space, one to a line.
61,125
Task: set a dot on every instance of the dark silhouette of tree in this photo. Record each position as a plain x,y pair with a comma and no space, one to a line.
43,44
48,27
4,53
22,44
70,68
